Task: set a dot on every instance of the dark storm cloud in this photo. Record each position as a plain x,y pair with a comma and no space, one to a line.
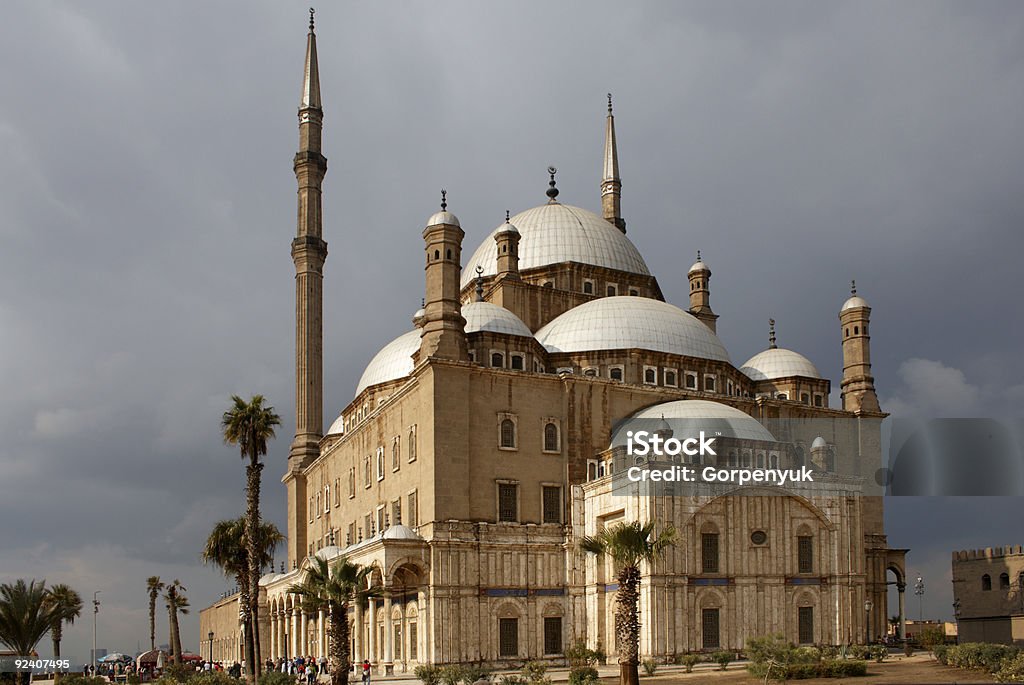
147,204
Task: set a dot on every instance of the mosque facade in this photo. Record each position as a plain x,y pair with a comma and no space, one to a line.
483,444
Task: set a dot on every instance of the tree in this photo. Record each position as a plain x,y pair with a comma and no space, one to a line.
227,548
894,622
250,425
629,545
332,588
65,606
154,587
176,602
25,616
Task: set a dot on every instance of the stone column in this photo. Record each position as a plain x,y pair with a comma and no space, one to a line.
901,589
304,640
372,656
357,631
389,636
273,635
295,633
422,628
320,635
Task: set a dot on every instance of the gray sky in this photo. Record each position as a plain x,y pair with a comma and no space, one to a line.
147,203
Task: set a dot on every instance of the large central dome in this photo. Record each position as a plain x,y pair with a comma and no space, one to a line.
554,233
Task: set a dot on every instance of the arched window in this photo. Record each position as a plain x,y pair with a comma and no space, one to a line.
615,373
449,253
612,292
588,287
437,254
412,444
1004,581
650,376
508,433
497,360
550,437
856,330
396,456
517,362
590,372
986,582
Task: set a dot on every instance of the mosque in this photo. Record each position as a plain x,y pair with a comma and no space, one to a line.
480,446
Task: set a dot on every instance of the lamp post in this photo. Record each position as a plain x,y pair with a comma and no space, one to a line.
919,591
211,647
95,611
867,624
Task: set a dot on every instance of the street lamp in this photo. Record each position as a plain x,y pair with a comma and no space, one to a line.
95,611
867,626
919,591
211,648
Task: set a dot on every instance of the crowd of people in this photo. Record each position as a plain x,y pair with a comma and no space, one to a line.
305,669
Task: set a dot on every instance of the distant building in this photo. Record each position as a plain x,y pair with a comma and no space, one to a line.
988,593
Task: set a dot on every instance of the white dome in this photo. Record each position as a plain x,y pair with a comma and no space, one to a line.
394,361
685,417
615,323
818,443
554,233
484,316
443,217
401,532
777,362
328,552
854,302
338,427
699,265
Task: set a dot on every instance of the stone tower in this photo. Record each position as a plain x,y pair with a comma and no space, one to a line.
507,240
858,385
700,294
443,334
611,184
309,252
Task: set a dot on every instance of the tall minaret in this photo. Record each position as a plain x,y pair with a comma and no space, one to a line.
611,184
309,252
858,385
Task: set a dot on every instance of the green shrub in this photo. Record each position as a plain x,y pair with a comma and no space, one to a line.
222,678
840,668
826,668
534,673
512,680
452,674
931,636
769,648
473,673
980,655
650,666
271,678
723,659
689,661
583,675
940,652
580,655
1012,670
428,675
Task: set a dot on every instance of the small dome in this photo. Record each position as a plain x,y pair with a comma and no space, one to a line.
328,552
698,266
401,532
687,417
394,361
338,427
619,323
854,302
777,362
554,233
818,443
443,217
507,228
485,316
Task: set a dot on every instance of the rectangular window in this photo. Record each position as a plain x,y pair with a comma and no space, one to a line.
413,645
709,628
670,377
396,455
508,509
817,400
380,463
412,444
805,554
381,525
552,506
709,383
650,375
337,492
352,482
553,635
396,512
367,526
367,471
412,514
508,637
709,552
691,381
805,620
517,362
350,537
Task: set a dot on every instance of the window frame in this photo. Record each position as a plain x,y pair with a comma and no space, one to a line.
514,419
545,490
544,423
499,486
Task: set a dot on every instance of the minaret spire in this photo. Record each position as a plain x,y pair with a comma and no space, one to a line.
309,252
611,184
771,334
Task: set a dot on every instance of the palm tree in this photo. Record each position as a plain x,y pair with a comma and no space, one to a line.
250,425
176,602
25,616
629,545
154,587
227,548
65,605
332,588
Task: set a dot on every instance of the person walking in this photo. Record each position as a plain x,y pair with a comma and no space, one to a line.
366,672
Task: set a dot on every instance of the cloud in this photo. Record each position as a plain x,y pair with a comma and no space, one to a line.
932,389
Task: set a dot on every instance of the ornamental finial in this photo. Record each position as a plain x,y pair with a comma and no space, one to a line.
444,199
479,283
609,104
506,216
853,287
552,191
311,13
771,334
